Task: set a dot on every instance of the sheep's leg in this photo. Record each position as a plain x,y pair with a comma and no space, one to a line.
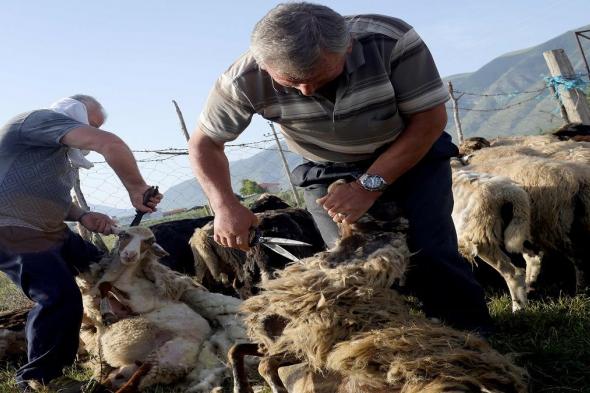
132,385
119,376
580,268
269,370
235,357
171,361
514,276
533,268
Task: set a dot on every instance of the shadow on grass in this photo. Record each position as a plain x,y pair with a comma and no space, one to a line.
551,339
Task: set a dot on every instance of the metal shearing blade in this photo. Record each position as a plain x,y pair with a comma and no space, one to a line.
281,251
281,241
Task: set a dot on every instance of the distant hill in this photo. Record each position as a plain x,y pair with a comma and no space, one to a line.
112,211
264,167
518,71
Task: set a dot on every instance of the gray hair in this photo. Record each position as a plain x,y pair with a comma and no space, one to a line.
292,37
90,101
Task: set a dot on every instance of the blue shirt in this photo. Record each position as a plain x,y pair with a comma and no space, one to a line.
35,174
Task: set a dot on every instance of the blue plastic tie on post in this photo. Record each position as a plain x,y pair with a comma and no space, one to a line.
568,83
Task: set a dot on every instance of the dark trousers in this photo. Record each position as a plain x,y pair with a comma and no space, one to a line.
53,324
438,276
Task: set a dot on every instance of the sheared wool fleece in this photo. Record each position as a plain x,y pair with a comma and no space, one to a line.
340,314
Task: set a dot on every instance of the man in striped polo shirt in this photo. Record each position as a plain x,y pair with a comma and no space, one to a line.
358,97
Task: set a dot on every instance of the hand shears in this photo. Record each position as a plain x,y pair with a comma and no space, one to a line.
275,243
147,195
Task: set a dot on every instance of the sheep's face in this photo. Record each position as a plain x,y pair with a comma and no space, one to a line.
136,243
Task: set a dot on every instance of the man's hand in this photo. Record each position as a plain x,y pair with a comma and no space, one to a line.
232,226
348,202
97,222
136,197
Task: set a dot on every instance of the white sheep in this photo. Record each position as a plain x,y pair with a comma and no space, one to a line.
492,216
556,176
143,330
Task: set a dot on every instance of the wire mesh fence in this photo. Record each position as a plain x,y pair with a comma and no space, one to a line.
170,169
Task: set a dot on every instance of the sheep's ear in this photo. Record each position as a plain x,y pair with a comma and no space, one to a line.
159,251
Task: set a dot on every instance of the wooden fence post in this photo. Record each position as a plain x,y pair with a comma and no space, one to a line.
208,208
458,128
562,110
573,100
286,165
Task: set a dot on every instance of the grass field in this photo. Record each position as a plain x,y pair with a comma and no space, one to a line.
551,339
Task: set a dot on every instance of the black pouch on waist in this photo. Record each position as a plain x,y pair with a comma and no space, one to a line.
310,172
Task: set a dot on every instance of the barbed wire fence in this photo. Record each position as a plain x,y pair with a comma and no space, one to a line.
554,100
169,168
544,101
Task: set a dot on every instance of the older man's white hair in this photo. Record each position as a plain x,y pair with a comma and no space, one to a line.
89,102
292,37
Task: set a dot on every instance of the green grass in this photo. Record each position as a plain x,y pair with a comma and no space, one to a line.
551,339
7,382
11,297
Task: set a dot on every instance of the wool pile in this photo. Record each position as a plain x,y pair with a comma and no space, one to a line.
337,313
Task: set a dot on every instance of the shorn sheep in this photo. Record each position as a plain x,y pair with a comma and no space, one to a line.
137,324
556,176
492,216
336,313
242,271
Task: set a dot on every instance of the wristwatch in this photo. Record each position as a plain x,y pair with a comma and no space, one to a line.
372,182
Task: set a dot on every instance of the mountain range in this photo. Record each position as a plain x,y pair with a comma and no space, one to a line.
498,84
263,167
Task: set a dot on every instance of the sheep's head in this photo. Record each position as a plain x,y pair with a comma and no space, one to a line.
472,144
135,243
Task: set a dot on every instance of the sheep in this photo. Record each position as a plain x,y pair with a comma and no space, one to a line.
492,218
575,131
173,236
267,202
337,313
556,176
140,327
12,333
288,222
241,270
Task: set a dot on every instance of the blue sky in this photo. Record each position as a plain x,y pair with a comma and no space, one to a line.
136,56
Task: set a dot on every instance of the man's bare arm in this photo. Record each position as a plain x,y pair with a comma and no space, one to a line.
211,167
93,221
422,130
74,213
119,157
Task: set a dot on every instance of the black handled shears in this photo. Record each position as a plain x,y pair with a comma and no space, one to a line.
147,195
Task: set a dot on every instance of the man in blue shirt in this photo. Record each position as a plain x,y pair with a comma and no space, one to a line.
37,250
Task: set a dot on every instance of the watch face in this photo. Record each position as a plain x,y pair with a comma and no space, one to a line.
374,181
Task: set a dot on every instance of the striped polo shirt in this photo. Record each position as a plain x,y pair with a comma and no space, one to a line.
388,75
